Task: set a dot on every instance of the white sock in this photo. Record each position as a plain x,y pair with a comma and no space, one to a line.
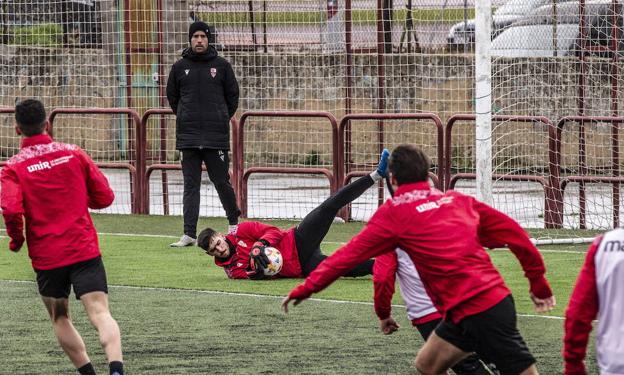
232,229
375,176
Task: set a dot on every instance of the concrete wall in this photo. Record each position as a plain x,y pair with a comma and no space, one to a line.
442,84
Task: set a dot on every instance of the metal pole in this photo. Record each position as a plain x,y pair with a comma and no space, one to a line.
483,93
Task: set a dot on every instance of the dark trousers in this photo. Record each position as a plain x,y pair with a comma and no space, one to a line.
217,163
470,365
310,232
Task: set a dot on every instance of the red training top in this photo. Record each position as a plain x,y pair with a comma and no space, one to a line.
443,234
250,232
53,185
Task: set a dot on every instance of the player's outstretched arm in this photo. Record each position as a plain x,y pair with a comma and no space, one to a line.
298,295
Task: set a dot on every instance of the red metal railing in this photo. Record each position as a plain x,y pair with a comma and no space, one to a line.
164,167
162,157
348,119
137,146
553,204
615,179
6,110
286,170
339,174
244,174
344,173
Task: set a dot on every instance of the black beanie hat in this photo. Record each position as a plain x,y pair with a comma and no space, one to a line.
198,26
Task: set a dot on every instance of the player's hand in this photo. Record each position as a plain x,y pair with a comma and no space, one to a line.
298,295
16,244
388,325
256,274
543,304
253,272
258,260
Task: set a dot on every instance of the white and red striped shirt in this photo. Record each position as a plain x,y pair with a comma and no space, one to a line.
599,292
398,265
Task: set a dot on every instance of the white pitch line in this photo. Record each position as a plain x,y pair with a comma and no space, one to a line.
325,242
253,295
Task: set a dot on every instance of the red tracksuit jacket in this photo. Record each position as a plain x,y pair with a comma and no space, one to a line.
441,232
52,185
252,231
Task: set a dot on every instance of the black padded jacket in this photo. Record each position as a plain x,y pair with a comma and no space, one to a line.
203,93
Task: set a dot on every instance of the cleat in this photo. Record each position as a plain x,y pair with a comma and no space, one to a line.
184,241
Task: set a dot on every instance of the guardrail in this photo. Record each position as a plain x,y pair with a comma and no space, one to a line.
136,149
342,171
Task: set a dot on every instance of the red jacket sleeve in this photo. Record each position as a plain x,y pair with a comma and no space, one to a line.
384,277
257,231
11,201
378,237
497,228
233,267
100,193
581,311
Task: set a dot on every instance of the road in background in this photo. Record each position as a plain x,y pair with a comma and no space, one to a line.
286,197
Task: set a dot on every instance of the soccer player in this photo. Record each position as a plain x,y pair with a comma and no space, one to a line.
442,234
420,310
598,293
241,254
50,186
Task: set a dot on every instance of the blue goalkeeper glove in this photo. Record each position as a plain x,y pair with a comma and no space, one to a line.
382,167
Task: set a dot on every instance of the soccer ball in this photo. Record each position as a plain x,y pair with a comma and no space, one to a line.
276,261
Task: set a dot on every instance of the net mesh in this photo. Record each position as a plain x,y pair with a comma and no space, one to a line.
338,57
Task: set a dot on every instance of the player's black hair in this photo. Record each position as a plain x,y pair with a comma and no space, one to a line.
409,163
30,117
203,240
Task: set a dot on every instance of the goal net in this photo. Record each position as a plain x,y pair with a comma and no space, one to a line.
320,61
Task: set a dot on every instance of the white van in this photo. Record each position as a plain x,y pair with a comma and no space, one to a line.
462,34
539,35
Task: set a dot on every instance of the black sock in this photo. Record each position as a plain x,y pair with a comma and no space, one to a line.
116,368
361,269
87,369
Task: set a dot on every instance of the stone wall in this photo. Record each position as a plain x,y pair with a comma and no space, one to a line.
442,84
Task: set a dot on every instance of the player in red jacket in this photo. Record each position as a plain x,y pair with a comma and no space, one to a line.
598,293
442,232
241,254
50,186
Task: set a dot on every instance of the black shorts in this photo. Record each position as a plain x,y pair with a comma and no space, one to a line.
493,335
86,277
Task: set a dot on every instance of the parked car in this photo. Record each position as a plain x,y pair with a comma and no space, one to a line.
462,34
534,35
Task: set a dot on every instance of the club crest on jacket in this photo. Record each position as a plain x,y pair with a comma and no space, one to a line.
213,72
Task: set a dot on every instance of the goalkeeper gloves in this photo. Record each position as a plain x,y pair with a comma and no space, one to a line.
257,257
257,274
258,261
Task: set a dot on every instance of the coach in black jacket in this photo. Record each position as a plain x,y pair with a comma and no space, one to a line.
203,93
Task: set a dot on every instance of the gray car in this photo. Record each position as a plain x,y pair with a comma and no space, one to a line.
462,34
538,35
